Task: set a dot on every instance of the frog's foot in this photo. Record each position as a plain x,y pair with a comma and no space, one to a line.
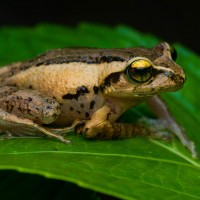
165,129
152,128
180,133
12,126
107,130
155,128
159,107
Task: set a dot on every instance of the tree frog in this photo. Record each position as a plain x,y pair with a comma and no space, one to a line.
86,90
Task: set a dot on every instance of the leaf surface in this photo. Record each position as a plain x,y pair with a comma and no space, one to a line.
135,168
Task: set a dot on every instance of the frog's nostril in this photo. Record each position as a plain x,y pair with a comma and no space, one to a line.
178,79
169,74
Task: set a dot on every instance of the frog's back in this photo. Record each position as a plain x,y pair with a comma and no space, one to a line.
73,76
84,55
64,70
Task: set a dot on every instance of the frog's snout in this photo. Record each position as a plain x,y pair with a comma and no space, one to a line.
178,78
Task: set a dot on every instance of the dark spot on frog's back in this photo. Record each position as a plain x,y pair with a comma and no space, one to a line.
69,96
30,99
82,105
108,116
92,103
71,108
79,92
82,90
96,89
87,114
112,78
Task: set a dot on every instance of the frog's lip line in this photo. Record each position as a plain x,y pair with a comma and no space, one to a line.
129,93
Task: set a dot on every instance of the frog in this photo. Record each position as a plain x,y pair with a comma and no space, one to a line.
86,90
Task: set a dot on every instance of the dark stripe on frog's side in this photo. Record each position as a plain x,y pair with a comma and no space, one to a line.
89,55
85,55
80,91
88,60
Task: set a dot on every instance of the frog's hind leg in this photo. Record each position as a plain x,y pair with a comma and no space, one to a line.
12,126
29,104
22,110
163,128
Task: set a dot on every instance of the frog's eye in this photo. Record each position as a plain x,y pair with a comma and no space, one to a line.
173,53
139,70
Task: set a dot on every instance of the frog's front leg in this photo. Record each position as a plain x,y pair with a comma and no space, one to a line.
160,109
102,125
23,111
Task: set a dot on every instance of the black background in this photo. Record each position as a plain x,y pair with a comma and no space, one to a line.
171,20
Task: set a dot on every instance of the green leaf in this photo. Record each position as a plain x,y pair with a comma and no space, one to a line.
135,168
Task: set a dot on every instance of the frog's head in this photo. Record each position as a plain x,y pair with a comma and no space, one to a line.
149,72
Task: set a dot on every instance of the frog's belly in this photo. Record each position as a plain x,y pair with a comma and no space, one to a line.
81,108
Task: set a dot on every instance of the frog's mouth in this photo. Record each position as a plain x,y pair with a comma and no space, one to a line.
148,89
163,82
151,93
166,86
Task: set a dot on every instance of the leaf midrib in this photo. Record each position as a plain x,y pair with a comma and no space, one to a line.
195,166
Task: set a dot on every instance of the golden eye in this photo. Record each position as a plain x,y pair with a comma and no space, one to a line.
139,70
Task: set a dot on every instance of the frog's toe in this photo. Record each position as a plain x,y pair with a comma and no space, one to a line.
163,135
157,128
5,136
63,139
67,141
